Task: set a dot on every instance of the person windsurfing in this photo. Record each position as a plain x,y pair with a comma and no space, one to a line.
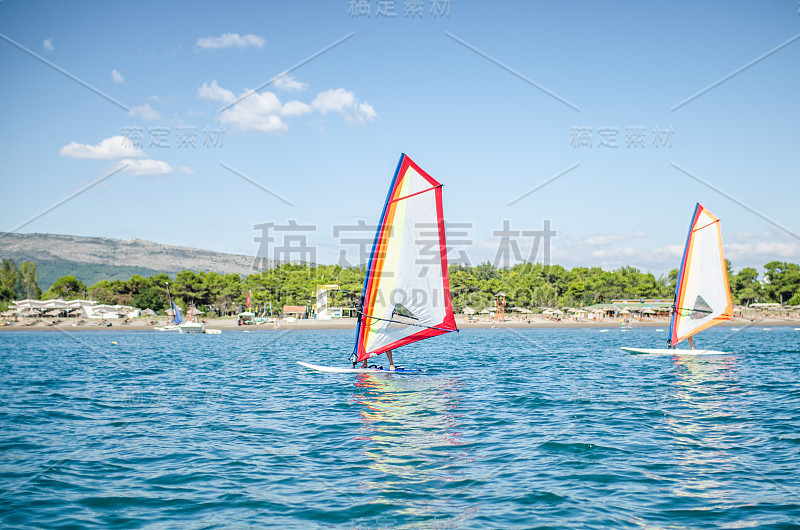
360,311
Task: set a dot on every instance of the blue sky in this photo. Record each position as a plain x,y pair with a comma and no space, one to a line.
492,99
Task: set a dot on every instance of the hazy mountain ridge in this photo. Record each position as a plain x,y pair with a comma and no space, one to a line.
60,250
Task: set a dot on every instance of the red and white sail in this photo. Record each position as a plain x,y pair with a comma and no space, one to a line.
406,294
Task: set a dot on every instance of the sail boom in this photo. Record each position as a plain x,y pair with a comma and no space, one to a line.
414,194
410,324
706,226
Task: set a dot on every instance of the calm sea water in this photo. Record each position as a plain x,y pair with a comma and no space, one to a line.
507,429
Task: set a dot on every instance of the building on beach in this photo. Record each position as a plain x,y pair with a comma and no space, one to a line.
58,308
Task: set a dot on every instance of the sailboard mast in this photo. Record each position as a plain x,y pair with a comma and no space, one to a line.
406,294
702,293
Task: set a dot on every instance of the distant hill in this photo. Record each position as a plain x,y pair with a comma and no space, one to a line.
91,259
88,273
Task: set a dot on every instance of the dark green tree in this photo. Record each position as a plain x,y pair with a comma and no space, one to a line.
28,281
150,298
783,280
9,280
745,287
66,287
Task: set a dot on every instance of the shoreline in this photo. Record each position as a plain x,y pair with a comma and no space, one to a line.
230,325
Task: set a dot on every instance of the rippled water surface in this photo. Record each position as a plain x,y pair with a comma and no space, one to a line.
506,429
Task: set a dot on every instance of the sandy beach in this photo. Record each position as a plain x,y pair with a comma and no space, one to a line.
230,324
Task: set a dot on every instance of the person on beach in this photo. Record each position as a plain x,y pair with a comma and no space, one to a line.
359,310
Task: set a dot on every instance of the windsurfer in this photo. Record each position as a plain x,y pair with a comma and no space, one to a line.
691,344
359,303
388,354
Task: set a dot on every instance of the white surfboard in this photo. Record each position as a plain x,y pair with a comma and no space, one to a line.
670,351
340,370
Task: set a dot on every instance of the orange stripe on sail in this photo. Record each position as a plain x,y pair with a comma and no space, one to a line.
378,264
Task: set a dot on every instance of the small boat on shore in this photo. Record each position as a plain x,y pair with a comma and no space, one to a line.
193,324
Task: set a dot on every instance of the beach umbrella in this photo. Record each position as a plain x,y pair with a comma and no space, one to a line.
469,311
149,312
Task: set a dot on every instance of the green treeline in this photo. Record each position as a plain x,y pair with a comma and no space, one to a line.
18,282
525,285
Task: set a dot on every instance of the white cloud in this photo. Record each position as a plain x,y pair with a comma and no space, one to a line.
48,45
265,112
145,167
229,40
658,260
117,77
295,108
757,254
186,170
257,112
636,256
610,239
108,149
290,84
262,112
345,103
145,112
214,92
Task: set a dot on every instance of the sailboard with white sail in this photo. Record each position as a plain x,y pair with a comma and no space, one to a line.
702,293
176,317
406,294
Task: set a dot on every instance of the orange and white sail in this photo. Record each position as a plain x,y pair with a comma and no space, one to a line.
406,294
702,294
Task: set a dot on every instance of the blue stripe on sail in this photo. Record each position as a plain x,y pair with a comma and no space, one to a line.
177,318
375,244
680,275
